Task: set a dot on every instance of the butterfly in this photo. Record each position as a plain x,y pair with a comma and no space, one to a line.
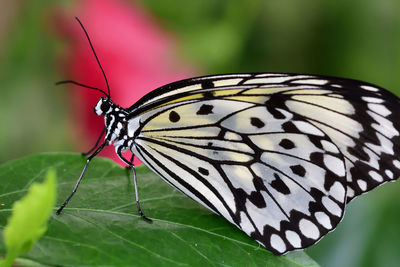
278,155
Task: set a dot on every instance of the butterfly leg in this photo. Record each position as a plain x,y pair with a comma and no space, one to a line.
81,176
131,166
95,145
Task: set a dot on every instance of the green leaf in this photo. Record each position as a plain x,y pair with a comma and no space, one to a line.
28,221
101,226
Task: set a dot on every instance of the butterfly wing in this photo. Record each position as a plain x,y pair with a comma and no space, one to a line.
278,155
360,118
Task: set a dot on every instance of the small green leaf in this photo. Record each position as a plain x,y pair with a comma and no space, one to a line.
28,221
101,226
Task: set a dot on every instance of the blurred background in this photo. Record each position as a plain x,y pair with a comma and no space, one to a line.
145,44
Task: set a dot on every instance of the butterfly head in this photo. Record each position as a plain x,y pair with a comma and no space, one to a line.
114,119
104,106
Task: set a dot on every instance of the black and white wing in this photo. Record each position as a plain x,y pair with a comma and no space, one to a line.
278,155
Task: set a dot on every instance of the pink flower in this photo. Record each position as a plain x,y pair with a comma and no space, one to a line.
135,52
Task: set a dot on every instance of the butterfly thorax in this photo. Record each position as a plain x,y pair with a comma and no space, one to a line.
114,120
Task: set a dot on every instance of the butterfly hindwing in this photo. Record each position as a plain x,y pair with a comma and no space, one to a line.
360,120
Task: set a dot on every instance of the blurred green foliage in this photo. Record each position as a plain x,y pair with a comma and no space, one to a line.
356,39
29,216
32,117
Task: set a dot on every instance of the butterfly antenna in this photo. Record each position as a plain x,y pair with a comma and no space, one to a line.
83,85
97,59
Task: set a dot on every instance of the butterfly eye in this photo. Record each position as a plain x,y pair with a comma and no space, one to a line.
102,107
105,106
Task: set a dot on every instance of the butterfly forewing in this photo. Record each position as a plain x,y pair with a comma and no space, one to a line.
278,155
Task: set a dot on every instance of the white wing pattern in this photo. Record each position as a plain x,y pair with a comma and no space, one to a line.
278,155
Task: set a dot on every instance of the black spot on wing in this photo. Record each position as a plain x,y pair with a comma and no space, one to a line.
206,84
299,170
174,117
257,199
279,185
203,171
287,144
274,103
275,113
205,110
289,127
257,122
